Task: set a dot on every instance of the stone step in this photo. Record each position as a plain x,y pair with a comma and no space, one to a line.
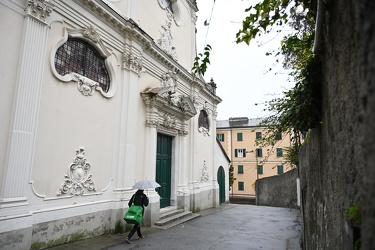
169,213
175,219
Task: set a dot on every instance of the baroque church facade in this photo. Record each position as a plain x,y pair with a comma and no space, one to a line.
97,95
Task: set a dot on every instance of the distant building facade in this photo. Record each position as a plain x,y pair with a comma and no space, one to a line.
238,137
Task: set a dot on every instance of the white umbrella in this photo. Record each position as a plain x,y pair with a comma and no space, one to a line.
146,184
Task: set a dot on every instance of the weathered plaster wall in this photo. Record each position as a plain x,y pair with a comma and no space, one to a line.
336,168
278,190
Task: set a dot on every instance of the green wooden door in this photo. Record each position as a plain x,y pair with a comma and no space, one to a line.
221,181
163,168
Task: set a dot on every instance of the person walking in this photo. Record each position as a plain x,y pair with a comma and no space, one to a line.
138,199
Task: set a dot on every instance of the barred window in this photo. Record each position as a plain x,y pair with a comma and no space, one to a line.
203,120
78,56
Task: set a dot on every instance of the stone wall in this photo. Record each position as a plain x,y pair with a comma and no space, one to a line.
337,162
278,190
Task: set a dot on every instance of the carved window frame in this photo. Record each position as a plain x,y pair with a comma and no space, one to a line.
89,36
203,120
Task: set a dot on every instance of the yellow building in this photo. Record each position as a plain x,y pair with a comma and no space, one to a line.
238,137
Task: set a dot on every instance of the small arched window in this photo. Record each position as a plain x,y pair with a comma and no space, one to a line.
203,120
78,56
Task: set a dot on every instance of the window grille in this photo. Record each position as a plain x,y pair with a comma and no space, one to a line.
203,120
78,56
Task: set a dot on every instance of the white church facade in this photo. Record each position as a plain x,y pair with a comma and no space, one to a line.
97,95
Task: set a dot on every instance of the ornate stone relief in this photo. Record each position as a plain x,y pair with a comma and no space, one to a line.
170,121
165,114
204,131
169,81
91,33
132,61
40,9
85,85
205,177
195,99
79,178
165,41
205,108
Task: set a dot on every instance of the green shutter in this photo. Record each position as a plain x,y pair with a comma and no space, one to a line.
240,169
280,169
279,152
260,169
239,136
240,185
244,152
235,153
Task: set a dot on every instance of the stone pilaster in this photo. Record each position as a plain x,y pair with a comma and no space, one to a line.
29,83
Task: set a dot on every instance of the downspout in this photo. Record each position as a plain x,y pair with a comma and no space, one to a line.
319,27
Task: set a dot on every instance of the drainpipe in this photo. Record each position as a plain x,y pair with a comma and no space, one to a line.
319,27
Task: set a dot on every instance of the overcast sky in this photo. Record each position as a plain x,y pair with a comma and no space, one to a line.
239,70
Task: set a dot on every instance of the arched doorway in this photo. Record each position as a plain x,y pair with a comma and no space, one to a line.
221,181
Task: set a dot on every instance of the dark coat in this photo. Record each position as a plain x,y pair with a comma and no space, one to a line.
140,199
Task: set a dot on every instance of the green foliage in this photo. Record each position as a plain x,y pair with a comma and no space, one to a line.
299,109
353,213
292,154
261,18
201,61
269,14
231,176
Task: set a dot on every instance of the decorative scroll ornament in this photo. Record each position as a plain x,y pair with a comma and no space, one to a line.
91,33
131,61
79,177
40,9
205,177
169,80
204,131
195,99
205,108
170,121
85,85
165,41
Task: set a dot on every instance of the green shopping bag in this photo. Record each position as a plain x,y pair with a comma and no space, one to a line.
134,214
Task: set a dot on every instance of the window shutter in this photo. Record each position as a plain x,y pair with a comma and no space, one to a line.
235,153
240,169
239,136
260,169
244,152
280,169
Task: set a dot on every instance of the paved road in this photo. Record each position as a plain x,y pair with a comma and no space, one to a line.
235,227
